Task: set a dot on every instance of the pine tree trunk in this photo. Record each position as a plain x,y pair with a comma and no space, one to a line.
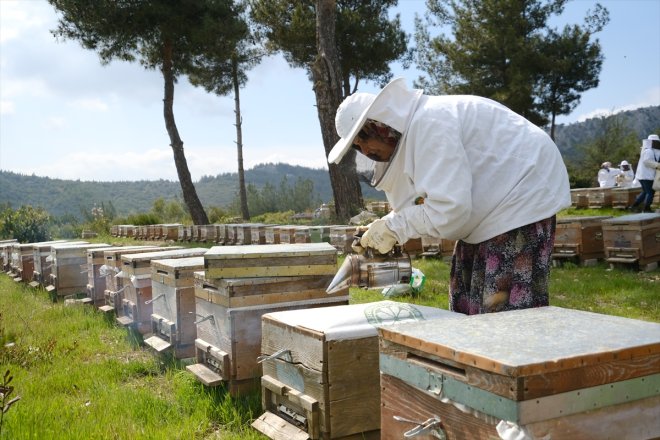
326,73
185,180
239,142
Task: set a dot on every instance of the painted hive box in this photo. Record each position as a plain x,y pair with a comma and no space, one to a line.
633,239
341,237
320,369
4,253
624,197
580,197
97,272
273,234
169,231
42,263
136,308
537,373
600,198
229,312
173,306
68,274
114,286
270,261
21,260
579,239
287,234
208,233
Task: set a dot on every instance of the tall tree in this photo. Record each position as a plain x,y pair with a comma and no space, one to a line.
223,70
500,49
571,65
339,44
160,34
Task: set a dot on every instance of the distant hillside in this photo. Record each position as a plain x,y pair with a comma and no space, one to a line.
60,197
642,122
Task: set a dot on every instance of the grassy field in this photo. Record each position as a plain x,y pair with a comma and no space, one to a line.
79,376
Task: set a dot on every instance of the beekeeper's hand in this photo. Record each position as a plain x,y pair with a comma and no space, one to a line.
379,236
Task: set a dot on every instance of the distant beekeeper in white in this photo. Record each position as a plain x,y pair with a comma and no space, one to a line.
626,175
463,168
607,175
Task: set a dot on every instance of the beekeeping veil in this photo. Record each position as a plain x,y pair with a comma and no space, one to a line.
394,106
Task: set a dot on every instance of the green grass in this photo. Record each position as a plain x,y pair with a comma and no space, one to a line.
81,377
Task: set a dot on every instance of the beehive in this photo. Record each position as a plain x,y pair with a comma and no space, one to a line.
97,271
579,239
136,308
273,234
624,197
341,237
633,240
114,285
42,263
68,274
229,312
600,198
580,197
320,369
546,372
173,306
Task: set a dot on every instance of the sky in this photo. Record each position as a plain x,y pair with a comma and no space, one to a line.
64,115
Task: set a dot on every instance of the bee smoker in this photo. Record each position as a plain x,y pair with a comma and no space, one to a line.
372,269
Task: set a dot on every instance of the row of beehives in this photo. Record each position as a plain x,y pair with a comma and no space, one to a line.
619,198
258,318
228,234
630,239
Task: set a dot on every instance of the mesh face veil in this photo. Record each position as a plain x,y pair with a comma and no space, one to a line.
369,170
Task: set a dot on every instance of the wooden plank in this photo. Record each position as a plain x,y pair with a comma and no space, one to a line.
158,344
277,428
205,375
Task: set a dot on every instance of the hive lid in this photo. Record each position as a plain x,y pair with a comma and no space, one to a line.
358,320
531,341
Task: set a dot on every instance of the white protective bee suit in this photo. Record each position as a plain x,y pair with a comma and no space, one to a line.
480,168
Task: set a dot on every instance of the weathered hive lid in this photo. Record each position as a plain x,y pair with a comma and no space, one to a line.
358,320
645,217
531,341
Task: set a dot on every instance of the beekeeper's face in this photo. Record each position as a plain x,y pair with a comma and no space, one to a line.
373,147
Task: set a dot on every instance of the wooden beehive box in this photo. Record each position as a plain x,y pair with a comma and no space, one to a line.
555,373
600,198
114,285
22,259
136,308
624,197
270,261
341,237
303,234
97,272
169,231
114,230
208,233
320,369
258,233
183,233
5,253
220,233
287,234
196,233
68,274
173,306
229,312
243,234
273,234
231,233
633,239
579,239
579,197
319,234
42,262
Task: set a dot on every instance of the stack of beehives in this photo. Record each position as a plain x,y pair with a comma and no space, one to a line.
240,284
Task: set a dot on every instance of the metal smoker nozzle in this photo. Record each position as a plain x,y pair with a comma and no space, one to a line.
372,271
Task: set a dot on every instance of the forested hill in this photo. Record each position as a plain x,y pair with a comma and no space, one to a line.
61,197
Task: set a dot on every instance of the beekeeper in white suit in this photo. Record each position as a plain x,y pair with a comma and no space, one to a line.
463,168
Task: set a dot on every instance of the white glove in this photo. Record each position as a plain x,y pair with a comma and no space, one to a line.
379,236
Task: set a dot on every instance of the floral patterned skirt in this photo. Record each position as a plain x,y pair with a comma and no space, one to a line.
509,271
